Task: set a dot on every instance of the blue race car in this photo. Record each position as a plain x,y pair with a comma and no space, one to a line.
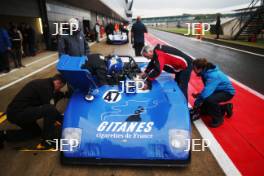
124,125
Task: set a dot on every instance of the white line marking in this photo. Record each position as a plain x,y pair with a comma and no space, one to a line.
44,58
41,59
244,51
24,77
221,157
3,74
223,46
261,96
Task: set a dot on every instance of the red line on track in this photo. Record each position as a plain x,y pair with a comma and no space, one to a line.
240,136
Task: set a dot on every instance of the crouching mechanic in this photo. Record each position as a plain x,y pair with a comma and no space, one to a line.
217,89
37,99
163,59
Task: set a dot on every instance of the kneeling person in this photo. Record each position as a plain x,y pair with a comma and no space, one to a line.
37,99
217,89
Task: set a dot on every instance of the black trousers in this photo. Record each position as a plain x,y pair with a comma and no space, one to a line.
211,104
4,62
27,121
183,78
138,48
17,56
31,48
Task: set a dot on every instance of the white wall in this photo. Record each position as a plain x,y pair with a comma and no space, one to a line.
119,6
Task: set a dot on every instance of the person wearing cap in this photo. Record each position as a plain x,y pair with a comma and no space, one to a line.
73,44
36,100
137,36
159,61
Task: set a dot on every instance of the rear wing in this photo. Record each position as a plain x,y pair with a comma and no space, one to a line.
72,70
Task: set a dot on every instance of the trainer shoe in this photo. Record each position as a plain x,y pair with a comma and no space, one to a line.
216,122
46,145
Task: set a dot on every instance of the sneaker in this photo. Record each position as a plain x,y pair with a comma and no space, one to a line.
229,110
216,122
46,145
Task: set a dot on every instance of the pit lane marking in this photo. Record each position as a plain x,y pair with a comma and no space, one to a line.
31,63
2,118
35,72
228,47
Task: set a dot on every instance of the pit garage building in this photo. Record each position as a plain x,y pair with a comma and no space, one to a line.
42,14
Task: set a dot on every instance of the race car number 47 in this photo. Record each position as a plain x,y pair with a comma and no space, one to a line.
112,96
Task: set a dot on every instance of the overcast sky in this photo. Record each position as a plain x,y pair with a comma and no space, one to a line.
147,8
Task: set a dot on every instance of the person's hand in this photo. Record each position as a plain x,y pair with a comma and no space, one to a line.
195,95
143,75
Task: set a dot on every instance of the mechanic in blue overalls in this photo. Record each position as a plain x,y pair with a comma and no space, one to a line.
217,89
162,59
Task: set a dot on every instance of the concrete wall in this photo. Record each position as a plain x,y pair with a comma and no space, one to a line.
59,12
119,6
227,28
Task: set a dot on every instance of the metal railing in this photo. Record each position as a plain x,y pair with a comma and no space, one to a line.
245,17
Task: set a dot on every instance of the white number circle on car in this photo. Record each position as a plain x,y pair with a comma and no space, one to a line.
112,96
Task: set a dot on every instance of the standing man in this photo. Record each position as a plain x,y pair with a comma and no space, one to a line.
31,40
5,47
97,31
16,37
218,26
75,44
137,36
109,29
35,100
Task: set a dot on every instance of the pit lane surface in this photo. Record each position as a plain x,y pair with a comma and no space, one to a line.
13,162
244,67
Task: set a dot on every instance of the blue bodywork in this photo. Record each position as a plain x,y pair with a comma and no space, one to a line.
158,134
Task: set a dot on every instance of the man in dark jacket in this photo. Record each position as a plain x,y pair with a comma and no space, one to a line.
5,47
218,26
16,37
35,100
137,36
75,44
109,29
31,36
